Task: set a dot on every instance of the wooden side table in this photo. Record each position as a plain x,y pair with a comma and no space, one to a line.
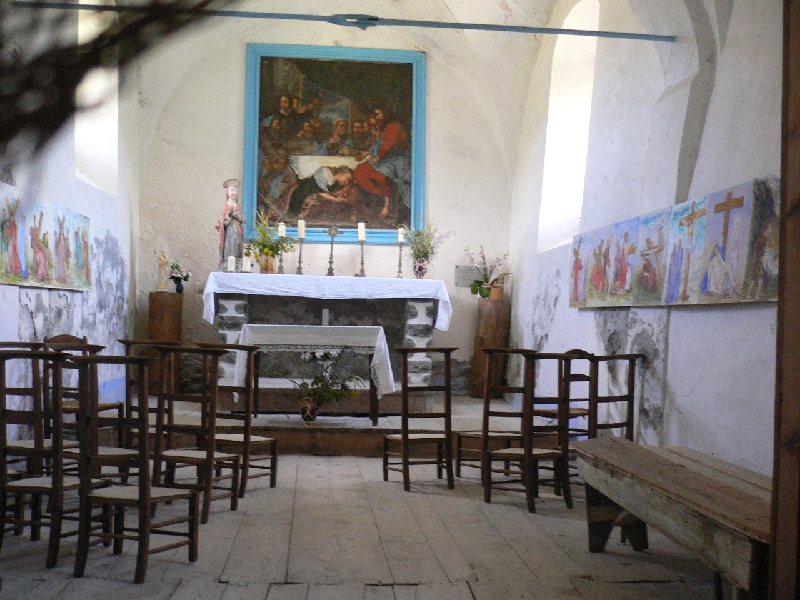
494,319
164,323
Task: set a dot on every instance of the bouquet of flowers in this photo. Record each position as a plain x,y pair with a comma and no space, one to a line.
425,241
176,273
267,241
491,273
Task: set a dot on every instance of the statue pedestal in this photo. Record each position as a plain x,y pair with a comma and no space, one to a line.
164,323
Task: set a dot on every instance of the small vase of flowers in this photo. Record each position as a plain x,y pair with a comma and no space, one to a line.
178,276
424,244
327,384
491,274
268,243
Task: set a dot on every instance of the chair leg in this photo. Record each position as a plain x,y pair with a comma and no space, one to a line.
487,479
439,459
55,535
235,484
385,459
194,526
273,465
529,476
36,517
565,486
144,543
459,445
119,527
207,481
448,463
84,527
406,464
108,517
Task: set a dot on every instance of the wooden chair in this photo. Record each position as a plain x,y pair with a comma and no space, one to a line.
80,346
34,483
202,454
442,440
114,499
469,444
255,450
612,363
540,441
143,347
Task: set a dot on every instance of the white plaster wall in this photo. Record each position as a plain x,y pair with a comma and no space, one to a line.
666,126
189,131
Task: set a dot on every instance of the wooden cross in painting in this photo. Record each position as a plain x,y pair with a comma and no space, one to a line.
726,207
688,221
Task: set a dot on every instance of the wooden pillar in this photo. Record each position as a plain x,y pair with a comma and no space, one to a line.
494,318
785,538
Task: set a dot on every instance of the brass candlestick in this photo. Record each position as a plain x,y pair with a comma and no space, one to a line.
300,259
333,232
400,261
361,273
280,262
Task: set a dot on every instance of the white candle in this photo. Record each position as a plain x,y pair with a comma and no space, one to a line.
231,264
281,229
246,264
362,232
301,229
401,235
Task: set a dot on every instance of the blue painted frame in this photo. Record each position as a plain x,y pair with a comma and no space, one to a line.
417,59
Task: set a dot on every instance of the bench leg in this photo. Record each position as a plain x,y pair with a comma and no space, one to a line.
603,514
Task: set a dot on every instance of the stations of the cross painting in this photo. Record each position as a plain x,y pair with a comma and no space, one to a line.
688,221
726,207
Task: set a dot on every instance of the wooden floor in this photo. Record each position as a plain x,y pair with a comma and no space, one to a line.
332,529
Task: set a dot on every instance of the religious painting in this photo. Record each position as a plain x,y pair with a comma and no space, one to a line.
760,281
727,233
720,249
42,244
650,270
687,242
599,273
334,137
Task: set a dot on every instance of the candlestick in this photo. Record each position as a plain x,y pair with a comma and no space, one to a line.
281,229
361,273
400,260
401,235
280,262
300,241
362,232
333,232
301,229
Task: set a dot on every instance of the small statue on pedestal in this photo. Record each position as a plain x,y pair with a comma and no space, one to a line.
231,225
163,273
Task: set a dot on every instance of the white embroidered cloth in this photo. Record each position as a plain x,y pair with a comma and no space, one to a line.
326,288
302,338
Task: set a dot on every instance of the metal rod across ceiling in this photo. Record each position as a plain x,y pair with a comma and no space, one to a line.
348,20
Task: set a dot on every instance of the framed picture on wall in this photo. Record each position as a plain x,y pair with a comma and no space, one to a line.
335,136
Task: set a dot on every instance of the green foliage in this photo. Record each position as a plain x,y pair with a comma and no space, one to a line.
267,242
424,242
327,384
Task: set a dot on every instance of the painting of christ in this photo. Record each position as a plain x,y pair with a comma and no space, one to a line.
650,274
686,243
726,234
760,280
334,136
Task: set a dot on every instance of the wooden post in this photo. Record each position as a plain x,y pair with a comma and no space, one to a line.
785,538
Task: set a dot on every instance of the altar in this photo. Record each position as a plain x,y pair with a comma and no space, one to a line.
407,309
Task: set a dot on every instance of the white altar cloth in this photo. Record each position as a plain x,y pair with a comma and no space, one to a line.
359,339
326,288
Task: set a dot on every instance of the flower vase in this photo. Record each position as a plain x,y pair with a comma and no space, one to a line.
485,290
308,410
178,285
496,293
420,267
267,264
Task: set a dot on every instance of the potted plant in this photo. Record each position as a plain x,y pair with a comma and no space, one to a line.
491,274
326,385
424,244
268,243
178,276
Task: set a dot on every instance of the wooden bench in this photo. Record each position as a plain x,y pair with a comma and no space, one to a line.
714,509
